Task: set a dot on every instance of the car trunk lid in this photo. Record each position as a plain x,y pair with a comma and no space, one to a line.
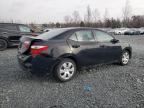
25,44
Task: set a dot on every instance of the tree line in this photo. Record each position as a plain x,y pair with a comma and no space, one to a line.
92,19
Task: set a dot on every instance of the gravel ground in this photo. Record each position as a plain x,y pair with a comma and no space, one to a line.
107,86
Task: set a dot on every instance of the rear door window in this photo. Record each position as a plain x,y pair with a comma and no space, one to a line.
85,36
73,37
24,29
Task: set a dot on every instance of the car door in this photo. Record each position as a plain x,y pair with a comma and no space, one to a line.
11,32
111,50
85,48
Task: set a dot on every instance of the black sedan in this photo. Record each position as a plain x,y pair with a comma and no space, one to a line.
62,51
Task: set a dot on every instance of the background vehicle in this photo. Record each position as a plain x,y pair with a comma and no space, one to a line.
132,31
141,30
47,30
10,34
108,30
111,31
63,51
120,31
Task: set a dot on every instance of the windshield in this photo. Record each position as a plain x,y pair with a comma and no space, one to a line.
51,34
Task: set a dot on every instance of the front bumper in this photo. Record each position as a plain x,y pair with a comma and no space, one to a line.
39,64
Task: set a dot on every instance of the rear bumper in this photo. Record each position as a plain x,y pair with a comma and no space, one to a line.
39,65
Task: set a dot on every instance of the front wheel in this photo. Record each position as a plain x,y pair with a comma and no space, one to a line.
65,70
3,44
125,58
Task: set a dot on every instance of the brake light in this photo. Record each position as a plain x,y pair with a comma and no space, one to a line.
26,44
37,49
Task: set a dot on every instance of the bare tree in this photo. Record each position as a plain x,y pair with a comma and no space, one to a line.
76,17
88,16
126,13
106,18
58,25
96,15
137,21
82,24
68,19
33,26
106,14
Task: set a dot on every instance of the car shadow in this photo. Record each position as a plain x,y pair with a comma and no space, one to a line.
12,47
39,79
50,78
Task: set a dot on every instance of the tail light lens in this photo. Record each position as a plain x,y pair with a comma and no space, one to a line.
37,49
26,44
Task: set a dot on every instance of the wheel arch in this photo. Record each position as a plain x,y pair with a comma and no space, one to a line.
72,57
129,50
6,44
4,38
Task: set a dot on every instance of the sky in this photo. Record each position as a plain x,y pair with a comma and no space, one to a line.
44,11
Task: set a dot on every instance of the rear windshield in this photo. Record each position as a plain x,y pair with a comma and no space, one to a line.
51,34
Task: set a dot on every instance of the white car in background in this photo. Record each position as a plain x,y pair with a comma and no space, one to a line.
111,31
133,31
141,30
120,31
108,30
47,30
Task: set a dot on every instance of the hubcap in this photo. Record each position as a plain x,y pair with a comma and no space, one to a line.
125,58
67,70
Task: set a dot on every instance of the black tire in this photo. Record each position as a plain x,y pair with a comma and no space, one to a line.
122,58
3,44
58,74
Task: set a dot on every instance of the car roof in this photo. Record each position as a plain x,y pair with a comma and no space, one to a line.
79,28
12,24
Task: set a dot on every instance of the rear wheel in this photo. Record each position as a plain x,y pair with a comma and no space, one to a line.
65,70
125,58
3,44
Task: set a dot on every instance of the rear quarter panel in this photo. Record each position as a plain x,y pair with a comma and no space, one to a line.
58,48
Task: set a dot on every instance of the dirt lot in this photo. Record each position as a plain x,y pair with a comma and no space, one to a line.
107,86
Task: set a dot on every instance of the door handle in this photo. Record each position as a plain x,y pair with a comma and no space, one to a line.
75,46
103,46
4,32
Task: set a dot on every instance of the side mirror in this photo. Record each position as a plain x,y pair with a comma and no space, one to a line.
32,30
114,40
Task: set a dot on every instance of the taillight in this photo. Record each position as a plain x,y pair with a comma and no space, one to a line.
37,49
26,44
